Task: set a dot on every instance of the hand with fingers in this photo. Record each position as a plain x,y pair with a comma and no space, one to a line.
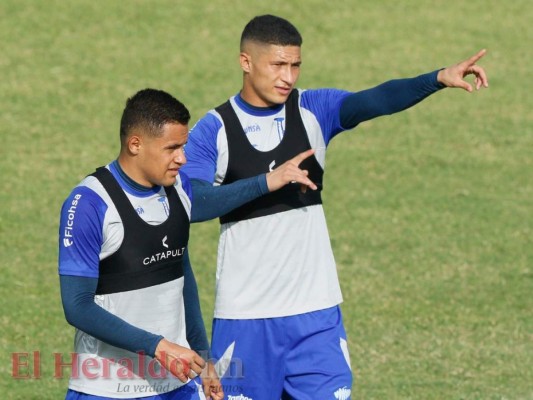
454,76
182,362
211,383
290,172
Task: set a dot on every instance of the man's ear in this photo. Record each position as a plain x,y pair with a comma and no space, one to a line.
134,143
246,61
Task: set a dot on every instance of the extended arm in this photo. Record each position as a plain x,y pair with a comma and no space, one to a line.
400,94
214,201
388,98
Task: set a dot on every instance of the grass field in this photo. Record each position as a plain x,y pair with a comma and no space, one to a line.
430,211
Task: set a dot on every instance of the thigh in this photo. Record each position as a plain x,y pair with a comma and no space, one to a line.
318,364
249,356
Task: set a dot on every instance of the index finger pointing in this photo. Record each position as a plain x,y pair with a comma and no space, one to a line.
475,58
303,155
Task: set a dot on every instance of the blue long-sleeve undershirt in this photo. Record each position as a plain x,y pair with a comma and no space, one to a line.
78,293
214,201
388,98
194,323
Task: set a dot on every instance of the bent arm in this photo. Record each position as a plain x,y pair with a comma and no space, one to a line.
388,98
77,295
214,201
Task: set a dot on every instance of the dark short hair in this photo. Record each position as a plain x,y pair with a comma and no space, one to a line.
149,110
269,29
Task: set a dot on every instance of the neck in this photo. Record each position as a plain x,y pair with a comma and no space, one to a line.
129,173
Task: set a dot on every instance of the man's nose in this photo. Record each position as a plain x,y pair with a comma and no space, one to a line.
288,75
180,157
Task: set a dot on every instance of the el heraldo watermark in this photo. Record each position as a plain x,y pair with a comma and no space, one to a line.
28,365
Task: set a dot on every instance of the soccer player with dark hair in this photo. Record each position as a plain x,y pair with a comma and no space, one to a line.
126,281
277,299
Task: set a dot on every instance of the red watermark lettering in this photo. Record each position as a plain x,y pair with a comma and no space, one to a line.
59,365
27,365
21,360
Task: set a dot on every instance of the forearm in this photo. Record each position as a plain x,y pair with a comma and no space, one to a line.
196,334
77,294
214,201
388,98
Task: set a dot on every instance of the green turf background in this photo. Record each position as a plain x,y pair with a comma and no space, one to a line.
430,211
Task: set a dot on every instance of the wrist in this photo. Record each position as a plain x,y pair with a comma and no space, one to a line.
160,348
263,184
440,78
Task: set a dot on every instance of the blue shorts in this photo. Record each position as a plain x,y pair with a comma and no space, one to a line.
298,357
191,391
